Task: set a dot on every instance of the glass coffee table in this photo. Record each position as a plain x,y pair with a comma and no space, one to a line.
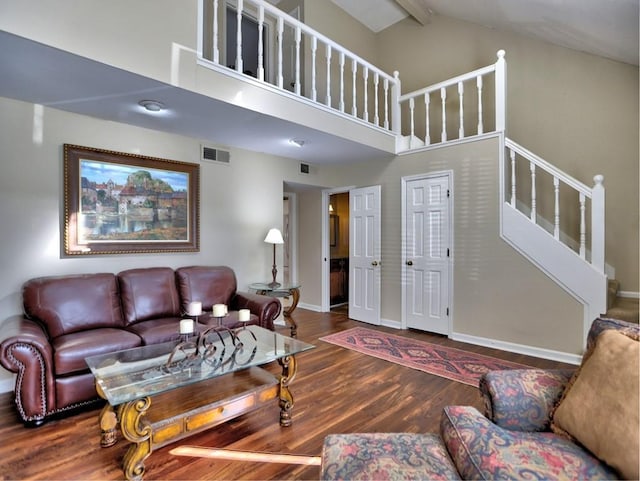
165,392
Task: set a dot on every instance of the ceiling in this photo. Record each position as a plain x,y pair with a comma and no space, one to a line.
608,28
39,74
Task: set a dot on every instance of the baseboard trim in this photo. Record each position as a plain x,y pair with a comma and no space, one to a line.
519,348
629,294
310,307
7,385
391,323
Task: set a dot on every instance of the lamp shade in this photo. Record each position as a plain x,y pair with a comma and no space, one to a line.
274,236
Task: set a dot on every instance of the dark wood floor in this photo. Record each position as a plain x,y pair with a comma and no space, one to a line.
336,391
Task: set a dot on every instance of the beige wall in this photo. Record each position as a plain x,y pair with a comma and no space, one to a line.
497,293
578,111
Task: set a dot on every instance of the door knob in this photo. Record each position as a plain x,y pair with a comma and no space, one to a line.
374,263
409,263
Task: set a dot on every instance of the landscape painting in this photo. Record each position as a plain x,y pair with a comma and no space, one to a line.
128,203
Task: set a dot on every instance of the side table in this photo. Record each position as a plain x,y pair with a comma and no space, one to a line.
282,290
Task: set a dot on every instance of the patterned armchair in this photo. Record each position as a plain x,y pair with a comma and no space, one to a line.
512,440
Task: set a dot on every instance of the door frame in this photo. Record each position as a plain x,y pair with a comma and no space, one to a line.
293,236
325,302
403,217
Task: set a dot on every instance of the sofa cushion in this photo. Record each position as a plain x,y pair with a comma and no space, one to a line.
71,350
483,450
209,285
72,303
148,293
523,399
601,407
155,331
385,456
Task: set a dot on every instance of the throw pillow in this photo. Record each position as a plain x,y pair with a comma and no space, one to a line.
601,408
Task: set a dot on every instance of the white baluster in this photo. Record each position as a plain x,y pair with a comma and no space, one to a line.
412,106
376,117
365,76
597,223
512,154
556,217
461,97
216,50
501,91
239,37
328,99
583,227
427,128
298,38
386,103
260,46
354,70
314,48
532,167
480,124
443,96
341,105
280,53
396,117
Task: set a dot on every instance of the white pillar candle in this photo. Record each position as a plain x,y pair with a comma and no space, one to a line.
186,326
219,310
194,308
244,315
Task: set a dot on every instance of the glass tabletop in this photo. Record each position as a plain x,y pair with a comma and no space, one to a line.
264,286
130,374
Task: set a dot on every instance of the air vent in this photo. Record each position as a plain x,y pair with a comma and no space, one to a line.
304,168
211,154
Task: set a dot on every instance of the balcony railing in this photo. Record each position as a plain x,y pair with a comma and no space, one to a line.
256,39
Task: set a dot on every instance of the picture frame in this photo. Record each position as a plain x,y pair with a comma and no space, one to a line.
333,230
121,203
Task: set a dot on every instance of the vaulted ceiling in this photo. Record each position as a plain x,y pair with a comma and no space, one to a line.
608,28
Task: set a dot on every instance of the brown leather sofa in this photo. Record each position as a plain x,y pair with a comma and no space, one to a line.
68,318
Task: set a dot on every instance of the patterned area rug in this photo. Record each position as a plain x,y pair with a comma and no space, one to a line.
455,364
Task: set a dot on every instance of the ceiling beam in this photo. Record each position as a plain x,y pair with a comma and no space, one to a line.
418,9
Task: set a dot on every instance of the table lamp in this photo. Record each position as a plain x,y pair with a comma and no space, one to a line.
274,236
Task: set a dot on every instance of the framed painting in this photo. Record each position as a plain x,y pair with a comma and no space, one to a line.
119,203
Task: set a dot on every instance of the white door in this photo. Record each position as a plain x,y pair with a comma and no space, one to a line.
427,256
364,254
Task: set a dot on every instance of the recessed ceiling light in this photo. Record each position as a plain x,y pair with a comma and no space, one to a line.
152,105
296,142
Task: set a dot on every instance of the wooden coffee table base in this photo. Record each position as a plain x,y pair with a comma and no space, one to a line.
154,422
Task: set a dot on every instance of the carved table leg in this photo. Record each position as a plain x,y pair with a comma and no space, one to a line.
289,369
288,312
108,422
108,426
135,429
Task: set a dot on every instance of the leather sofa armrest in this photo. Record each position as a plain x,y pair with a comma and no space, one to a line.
522,399
27,352
265,307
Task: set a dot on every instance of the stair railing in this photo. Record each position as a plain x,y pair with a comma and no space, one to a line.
594,195
339,79
427,117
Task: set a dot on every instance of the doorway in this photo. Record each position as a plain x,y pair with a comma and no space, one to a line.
339,251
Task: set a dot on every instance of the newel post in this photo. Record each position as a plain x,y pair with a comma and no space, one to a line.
501,91
597,223
396,125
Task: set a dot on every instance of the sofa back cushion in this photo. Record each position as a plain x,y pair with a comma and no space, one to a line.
148,293
72,303
209,285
